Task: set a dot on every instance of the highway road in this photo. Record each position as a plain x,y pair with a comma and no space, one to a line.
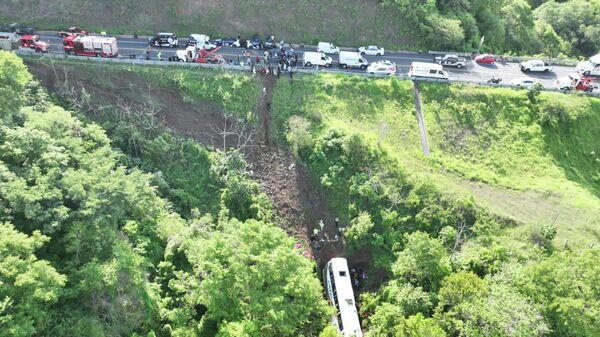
472,72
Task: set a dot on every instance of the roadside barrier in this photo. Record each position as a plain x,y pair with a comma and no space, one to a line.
304,70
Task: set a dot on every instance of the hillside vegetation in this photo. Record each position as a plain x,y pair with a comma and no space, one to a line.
456,268
534,162
518,26
89,248
141,231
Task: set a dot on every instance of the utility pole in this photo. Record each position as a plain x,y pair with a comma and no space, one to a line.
421,120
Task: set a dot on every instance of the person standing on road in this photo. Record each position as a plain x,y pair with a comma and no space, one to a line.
158,56
291,72
148,53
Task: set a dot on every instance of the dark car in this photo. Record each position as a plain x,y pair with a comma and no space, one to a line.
255,42
164,40
72,31
227,42
269,43
17,29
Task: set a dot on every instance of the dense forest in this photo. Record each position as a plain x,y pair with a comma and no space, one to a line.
551,27
107,229
88,248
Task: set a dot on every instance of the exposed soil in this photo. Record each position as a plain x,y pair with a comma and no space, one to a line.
195,120
299,201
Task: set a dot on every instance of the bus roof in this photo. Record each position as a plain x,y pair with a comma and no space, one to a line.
345,294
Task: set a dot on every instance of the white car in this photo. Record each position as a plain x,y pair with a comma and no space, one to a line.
535,65
248,45
327,48
371,50
385,62
381,69
563,83
523,82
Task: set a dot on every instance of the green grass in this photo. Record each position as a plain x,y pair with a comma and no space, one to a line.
338,21
485,143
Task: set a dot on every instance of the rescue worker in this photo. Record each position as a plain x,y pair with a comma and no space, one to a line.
158,56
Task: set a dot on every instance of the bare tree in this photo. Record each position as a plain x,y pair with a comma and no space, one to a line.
135,116
461,237
230,127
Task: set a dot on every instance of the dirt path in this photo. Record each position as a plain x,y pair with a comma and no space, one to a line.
299,201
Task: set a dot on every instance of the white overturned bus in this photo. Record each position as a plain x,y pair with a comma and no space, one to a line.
338,286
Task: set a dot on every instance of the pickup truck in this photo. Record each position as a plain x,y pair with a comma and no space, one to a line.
451,61
535,65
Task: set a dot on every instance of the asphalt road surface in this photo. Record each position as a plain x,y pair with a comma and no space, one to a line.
472,72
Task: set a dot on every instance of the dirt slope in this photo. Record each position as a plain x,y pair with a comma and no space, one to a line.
299,202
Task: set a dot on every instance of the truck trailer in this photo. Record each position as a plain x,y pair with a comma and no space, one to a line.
98,46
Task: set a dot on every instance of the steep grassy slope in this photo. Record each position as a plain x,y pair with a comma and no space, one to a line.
492,144
345,22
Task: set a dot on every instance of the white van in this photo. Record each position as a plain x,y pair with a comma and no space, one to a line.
431,70
200,40
590,67
311,58
352,59
328,48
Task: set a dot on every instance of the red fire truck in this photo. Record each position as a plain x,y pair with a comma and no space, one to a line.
34,42
91,46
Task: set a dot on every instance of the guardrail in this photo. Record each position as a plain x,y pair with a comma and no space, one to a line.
233,67
437,52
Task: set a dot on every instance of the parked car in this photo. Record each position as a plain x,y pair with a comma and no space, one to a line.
485,59
377,68
226,42
451,60
311,58
255,42
327,48
34,42
566,83
523,82
535,65
164,40
269,43
371,50
386,62
9,41
590,66
350,59
76,31
243,43
17,28
431,70
574,81
200,40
